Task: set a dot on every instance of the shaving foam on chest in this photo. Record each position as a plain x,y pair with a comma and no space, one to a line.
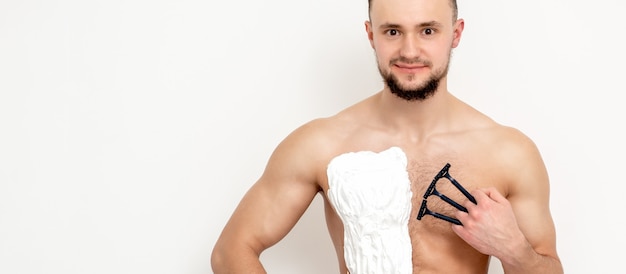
371,193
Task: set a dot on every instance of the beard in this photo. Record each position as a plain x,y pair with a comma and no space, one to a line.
419,93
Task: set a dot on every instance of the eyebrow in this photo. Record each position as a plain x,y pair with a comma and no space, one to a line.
420,25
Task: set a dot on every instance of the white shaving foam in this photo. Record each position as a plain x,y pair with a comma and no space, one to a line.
371,193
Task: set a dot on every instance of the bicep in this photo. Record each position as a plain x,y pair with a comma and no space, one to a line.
529,198
268,211
274,204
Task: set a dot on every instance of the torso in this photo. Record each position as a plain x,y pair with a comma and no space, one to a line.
473,155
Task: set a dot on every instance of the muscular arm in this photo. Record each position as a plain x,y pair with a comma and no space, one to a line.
518,229
269,209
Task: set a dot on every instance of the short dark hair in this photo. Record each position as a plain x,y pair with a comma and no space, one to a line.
455,8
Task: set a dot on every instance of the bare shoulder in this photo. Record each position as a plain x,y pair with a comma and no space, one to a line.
307,150
518,160
512,142
515,148
504,150
316,137
324,135
505,143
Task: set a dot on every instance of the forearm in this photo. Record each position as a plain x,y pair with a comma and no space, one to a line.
527,260
541,265
234,261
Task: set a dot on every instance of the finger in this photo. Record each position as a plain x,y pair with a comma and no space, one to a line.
481,196
458,229
495,195
462,216
469,205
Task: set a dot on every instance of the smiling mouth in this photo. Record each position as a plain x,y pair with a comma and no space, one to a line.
414,64
410,68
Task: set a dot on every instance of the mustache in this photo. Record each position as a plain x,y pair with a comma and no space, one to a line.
411,61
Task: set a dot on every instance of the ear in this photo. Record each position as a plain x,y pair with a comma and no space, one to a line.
459,25
370,33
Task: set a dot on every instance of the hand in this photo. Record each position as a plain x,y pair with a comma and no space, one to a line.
490,225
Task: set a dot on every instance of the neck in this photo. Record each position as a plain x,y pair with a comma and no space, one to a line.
417,119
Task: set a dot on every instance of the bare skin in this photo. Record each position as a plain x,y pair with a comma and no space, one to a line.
499,165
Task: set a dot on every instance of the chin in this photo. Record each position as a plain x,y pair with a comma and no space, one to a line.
413,85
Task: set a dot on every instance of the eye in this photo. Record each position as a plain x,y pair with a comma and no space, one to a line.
428,31
392,32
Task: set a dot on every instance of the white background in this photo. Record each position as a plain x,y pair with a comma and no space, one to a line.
130,130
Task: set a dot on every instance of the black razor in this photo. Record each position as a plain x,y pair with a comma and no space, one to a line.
432,190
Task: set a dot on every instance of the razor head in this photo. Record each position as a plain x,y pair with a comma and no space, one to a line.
430,189
442,173
422,211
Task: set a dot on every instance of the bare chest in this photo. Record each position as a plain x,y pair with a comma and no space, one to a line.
443,191
429,235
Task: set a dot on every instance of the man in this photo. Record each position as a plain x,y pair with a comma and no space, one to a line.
428,127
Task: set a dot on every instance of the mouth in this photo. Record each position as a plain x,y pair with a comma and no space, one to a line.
410,68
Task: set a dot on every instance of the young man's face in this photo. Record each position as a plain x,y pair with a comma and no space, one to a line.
413,40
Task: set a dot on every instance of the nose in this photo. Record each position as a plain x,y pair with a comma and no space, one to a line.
410,47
